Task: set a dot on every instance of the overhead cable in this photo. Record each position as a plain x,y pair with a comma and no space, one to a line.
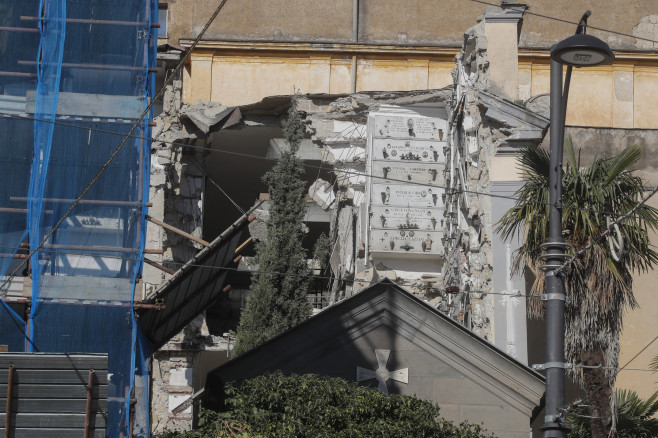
121,144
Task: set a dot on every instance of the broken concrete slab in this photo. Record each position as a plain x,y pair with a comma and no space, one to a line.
205,115
322,193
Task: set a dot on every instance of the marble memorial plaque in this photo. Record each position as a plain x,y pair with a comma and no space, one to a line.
413,151
406,218
406,241
406,195
410,127
429,174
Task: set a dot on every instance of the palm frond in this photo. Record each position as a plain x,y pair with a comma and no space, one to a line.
634,417
654,363
623,162
571,155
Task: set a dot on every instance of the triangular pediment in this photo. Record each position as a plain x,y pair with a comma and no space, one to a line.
426,354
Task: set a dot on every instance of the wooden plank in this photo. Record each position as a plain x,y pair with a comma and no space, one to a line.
54,391
53,433
55,405
46,361
53,376
92,105
39,420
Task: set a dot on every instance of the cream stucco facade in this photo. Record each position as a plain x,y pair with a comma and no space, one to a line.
621,95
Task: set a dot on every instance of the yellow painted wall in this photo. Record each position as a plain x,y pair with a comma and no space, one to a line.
622,95
640,328
238,77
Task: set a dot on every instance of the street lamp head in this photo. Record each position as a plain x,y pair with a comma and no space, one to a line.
582,50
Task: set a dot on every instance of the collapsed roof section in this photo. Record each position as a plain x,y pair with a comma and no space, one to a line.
192,288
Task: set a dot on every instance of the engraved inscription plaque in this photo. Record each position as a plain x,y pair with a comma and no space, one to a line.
406,241
410,127
406,218
406,195
414,151
427,174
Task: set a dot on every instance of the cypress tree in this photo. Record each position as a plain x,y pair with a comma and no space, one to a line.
278,298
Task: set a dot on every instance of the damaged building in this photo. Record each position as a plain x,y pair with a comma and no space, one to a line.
414,115
409,181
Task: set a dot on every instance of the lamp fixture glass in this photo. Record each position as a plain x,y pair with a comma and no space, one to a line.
582,50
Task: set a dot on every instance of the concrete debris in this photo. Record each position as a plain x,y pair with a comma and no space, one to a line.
258,228
340,154
205,115
322,193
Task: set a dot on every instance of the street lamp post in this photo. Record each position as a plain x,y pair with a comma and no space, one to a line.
579,50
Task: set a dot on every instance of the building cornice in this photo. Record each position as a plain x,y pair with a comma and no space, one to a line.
540,56
318,47
534,56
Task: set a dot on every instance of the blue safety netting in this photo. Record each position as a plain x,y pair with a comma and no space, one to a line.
16,151
74,79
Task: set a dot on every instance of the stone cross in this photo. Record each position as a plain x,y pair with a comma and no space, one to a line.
382,374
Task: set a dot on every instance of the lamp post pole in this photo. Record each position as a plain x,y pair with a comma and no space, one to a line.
555,296
579,50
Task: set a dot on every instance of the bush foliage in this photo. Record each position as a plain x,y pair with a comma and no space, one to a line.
275,405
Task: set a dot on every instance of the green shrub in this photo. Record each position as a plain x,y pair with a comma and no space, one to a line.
275,405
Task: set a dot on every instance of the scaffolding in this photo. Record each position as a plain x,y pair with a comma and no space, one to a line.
75,78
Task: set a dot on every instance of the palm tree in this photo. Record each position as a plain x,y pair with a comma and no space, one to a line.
634,417
600,286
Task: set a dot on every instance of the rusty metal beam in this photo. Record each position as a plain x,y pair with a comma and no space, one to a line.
86,201
92,21
86,66
159,266
10,386
90,387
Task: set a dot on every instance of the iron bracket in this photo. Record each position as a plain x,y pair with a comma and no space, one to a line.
561,297
544,366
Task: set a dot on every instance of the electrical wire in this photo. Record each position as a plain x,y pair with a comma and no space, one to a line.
312,276
135,125
638,353
320,277
146,111
613,368
586,248
575,23
212,181
312,166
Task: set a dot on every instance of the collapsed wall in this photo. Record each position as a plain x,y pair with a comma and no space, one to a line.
177,191
409,198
